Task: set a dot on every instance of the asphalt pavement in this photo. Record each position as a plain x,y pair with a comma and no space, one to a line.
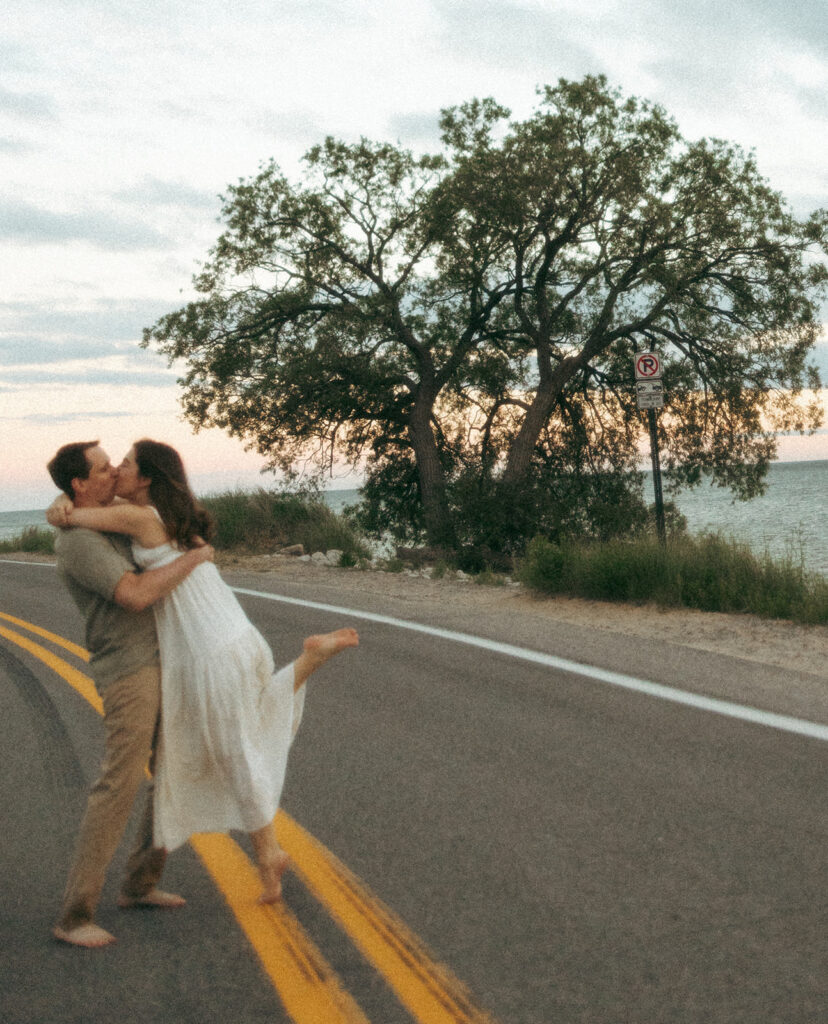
568,850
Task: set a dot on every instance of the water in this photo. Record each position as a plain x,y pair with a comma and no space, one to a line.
12,524
791,518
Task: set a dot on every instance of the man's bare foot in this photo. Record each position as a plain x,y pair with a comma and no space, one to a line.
271,870
90,936
153,898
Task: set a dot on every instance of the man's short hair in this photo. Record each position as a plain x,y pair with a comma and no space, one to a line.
70,463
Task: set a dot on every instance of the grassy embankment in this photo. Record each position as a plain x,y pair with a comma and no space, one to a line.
264,521
708,573
33,540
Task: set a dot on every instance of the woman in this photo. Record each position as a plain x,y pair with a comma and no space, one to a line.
227,719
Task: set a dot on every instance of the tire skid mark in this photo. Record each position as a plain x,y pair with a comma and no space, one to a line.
426,988
308,987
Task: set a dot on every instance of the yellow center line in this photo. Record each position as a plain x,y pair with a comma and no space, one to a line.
310,990
426,988
76,679
308,987
76,649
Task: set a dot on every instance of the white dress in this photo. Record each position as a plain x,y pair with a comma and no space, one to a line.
227,719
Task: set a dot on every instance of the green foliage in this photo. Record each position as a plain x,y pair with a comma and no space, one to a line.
464,323
487,578
33,540
439,569
710,573
265,520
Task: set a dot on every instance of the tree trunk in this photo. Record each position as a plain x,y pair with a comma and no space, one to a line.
520,452
439,527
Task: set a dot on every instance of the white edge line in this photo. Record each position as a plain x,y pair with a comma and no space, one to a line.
12,561
786,723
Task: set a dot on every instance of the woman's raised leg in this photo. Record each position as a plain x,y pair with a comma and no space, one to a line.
318,649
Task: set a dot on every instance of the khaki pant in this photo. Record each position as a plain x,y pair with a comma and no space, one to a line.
131,714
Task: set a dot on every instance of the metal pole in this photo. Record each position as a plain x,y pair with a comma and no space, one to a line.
659,499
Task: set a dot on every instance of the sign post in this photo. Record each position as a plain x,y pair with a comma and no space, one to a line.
649,392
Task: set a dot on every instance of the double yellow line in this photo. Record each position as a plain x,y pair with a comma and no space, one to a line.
307,985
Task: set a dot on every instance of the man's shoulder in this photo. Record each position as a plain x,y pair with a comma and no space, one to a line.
79,542
73,537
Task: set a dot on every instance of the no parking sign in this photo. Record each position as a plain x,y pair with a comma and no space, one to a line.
647,366
649,391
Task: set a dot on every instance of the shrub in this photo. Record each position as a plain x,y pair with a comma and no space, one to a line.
33,539
710,573
263,520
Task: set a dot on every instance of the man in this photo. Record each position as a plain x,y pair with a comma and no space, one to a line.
116,601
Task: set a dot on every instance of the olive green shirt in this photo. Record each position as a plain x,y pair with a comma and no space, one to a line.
91,565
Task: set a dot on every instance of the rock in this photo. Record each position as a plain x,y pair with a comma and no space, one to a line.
294,550
319,558
305,558
334,556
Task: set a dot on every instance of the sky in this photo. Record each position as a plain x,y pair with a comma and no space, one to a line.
123,121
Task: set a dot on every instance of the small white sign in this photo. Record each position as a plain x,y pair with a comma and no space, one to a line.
650,399
647,366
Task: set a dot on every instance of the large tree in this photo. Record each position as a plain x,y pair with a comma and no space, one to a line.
464,323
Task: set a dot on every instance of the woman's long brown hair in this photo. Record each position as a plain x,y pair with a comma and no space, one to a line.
170,492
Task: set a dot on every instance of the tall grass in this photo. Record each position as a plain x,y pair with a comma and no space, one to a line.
710,573
262,521
33,539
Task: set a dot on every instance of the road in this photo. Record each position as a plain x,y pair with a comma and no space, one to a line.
477,837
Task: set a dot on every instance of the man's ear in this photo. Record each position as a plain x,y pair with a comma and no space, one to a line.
78,485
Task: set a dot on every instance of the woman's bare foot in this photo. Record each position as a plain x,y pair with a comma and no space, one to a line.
153,898
271,869
318,649
90,936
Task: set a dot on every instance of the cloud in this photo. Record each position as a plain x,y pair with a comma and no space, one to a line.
516,35
67,417
151,191
300,126
34,333
804,22
16,147
814,102
417,128
110,378
34,225
28,106
28,351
